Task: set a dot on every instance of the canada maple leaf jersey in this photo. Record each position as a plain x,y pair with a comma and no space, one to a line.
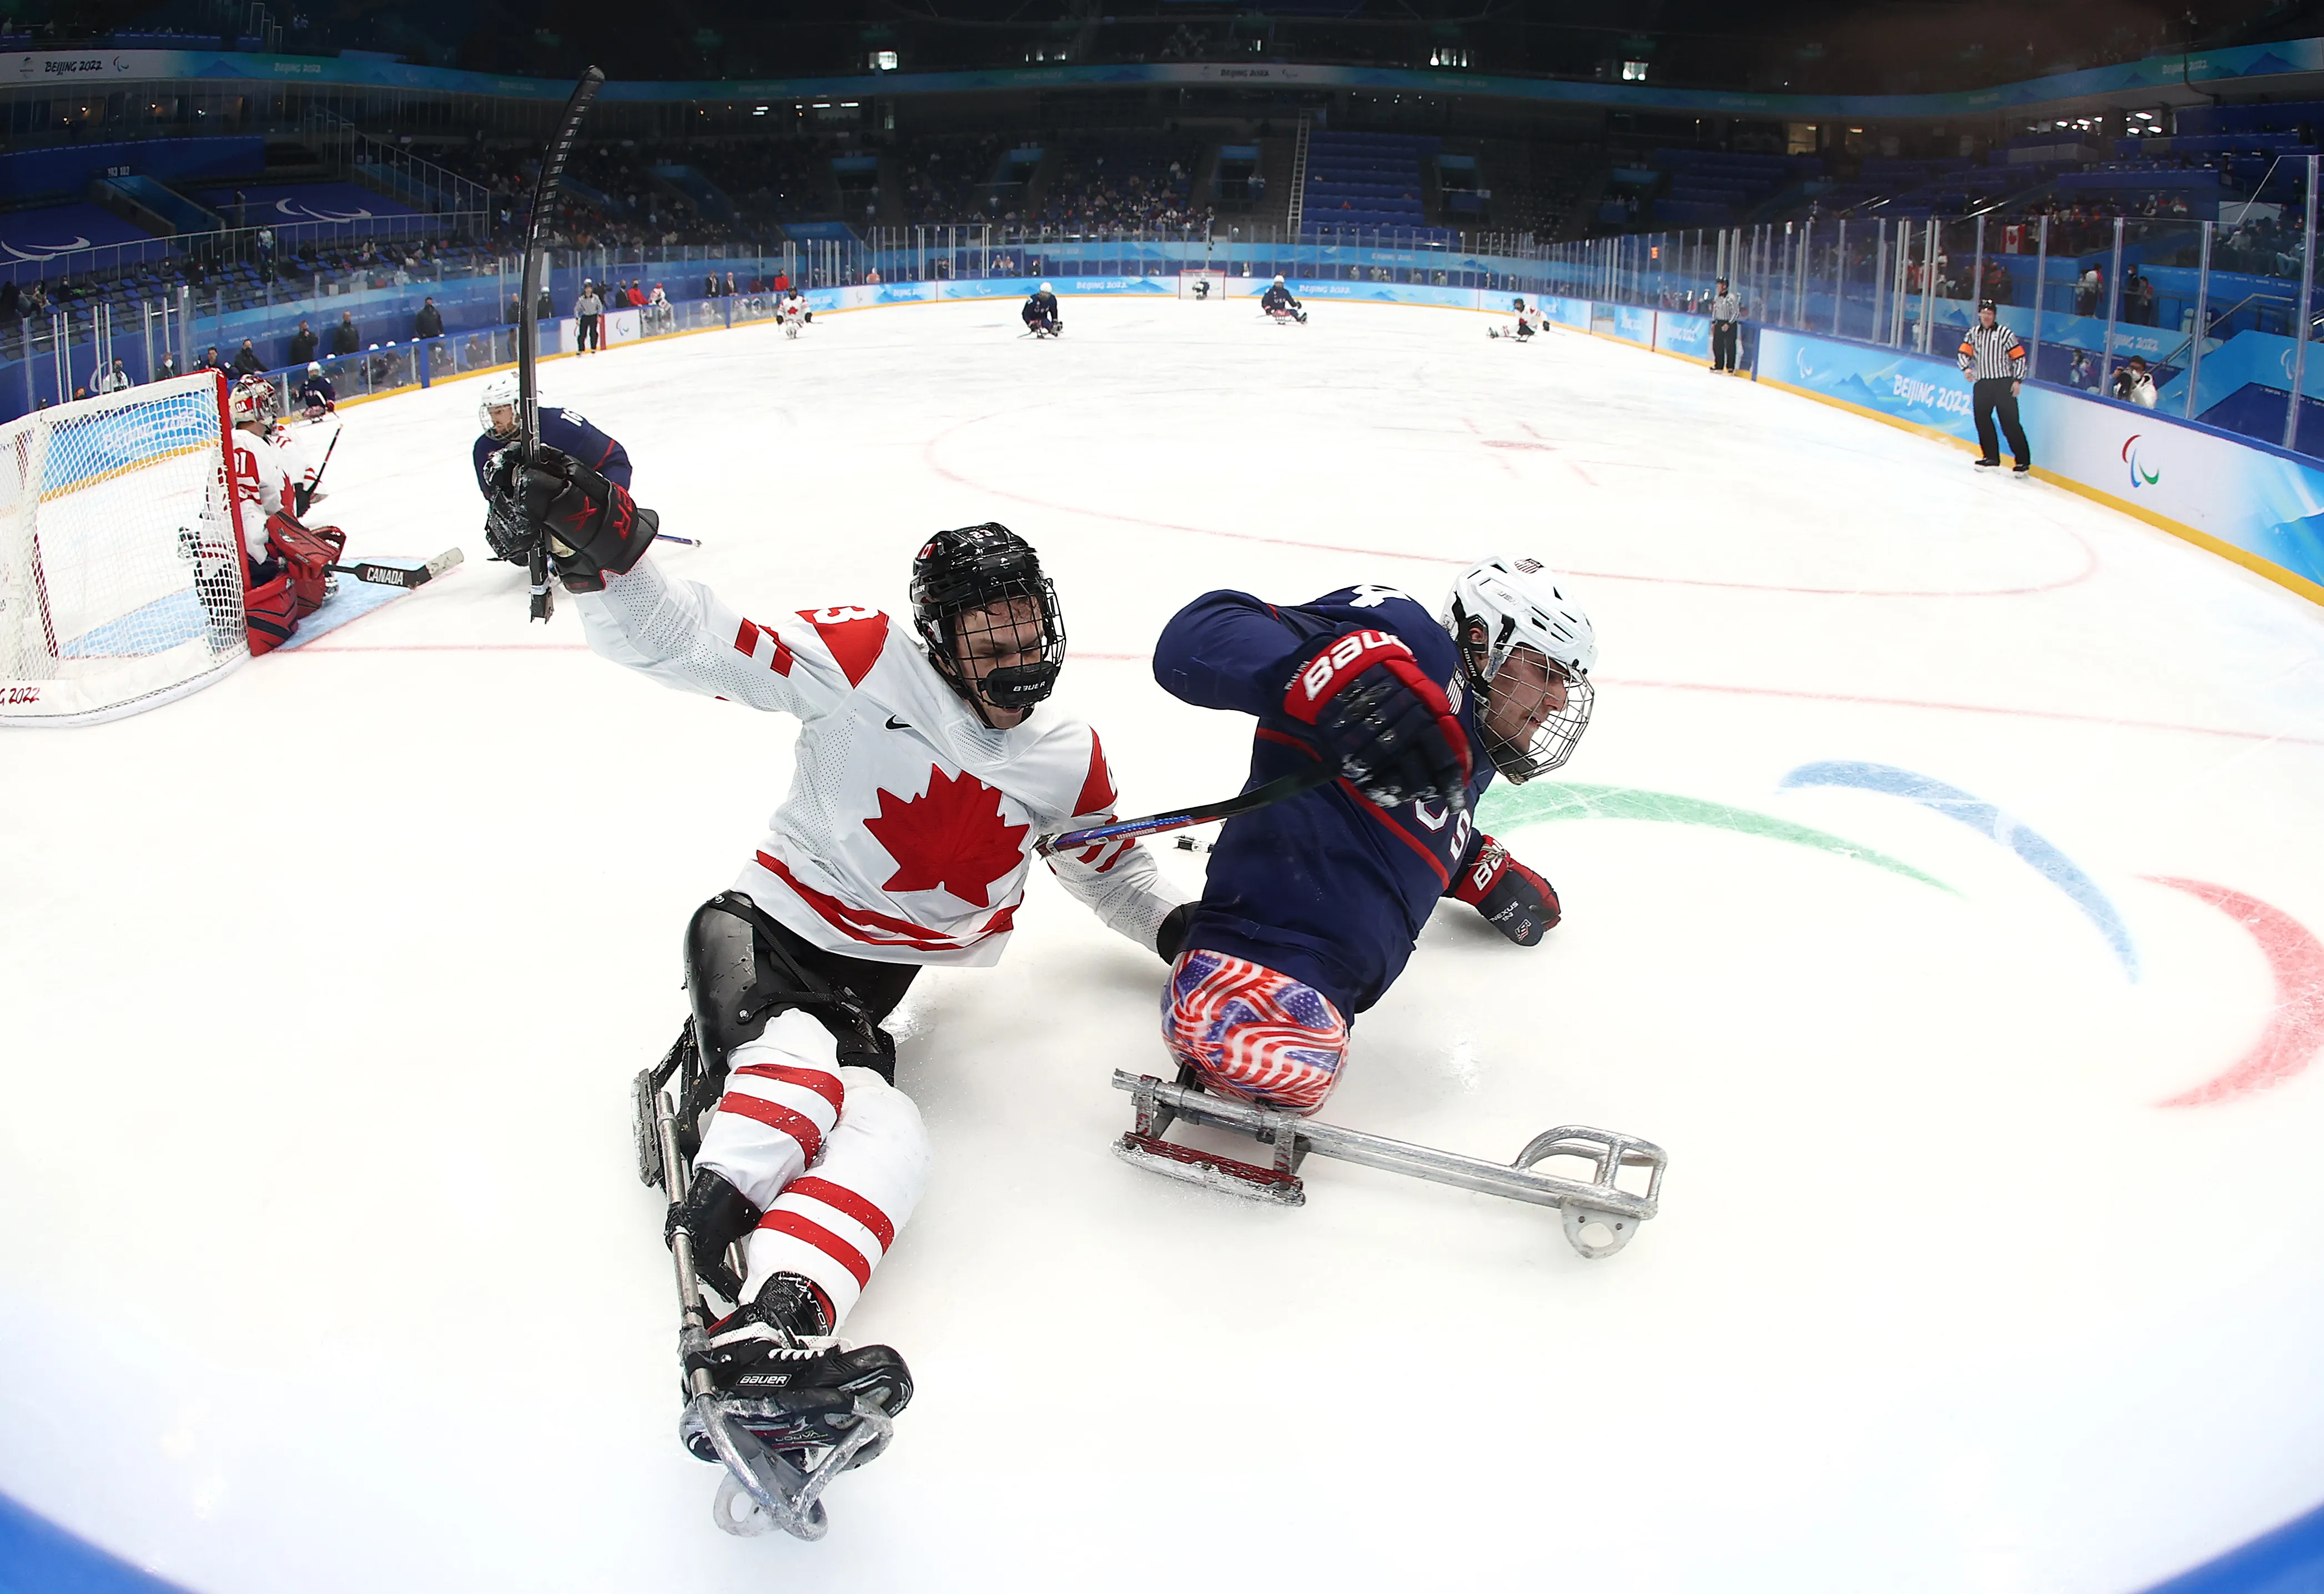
1328,887
910,822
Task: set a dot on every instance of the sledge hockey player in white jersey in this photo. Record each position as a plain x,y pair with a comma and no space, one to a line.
1529,322
924,778
1277,302
794,314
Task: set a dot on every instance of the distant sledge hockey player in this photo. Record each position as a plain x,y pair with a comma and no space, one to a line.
1277,302
1529,322
567,431
316,396
793,312
1040,313
926,777
1312,906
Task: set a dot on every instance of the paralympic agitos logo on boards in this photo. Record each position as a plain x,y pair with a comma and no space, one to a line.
2132,457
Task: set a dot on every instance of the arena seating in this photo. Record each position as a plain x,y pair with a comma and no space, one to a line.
1366,179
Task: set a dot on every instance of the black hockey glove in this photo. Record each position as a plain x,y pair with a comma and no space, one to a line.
1388,726
595,529
1516,901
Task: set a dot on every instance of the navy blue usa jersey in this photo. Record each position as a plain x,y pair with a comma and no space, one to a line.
570,433
1328,887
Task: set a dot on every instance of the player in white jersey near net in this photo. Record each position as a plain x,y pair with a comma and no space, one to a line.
924,777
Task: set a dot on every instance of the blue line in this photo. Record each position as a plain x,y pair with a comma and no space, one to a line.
1986,820
38,1557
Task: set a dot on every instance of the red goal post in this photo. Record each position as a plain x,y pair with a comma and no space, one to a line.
121,564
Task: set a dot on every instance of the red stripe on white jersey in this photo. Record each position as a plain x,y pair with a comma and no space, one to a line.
879,929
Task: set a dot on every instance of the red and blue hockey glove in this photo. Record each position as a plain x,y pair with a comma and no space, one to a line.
595,529
1388,726
1518,902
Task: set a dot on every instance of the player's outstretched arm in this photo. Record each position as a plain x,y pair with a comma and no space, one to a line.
1227,650
682,635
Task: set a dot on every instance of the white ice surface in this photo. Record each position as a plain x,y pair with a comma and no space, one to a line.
321,992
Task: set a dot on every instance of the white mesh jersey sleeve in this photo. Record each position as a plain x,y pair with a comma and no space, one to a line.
1116,878
680,633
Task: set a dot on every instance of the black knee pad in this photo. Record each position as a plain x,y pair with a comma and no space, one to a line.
738,975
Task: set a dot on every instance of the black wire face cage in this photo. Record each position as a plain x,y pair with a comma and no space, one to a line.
978,593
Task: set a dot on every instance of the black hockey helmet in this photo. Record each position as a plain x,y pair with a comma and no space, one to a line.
972,569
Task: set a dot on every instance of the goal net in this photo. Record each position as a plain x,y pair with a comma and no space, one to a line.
1203,285
121,572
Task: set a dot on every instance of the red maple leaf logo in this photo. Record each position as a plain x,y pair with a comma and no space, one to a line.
953,837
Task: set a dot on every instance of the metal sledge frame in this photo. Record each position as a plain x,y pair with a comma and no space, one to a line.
762,1489
1596,1202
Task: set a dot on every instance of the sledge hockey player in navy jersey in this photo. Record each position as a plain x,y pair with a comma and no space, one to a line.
1312,906
565,430
1277,302
927,771
1040,313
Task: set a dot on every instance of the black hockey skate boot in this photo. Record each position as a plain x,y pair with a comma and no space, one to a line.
798,1385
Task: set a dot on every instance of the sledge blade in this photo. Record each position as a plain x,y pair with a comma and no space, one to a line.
1190,1166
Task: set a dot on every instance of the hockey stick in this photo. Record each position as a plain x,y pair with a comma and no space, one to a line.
306,494
1273,792
681,541
528,331
403,575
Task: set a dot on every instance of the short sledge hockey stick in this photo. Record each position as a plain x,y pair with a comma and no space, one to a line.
401,575
306,494
681,541
1273,792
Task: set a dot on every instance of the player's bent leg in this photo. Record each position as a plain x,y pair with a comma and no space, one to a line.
1253,1032
784,1097
831,1227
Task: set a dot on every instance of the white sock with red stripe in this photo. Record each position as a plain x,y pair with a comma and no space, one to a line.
783,1098
833,1224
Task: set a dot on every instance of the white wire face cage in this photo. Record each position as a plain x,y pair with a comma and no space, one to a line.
1555,735
1510,604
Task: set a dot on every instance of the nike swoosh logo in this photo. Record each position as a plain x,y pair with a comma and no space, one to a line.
896,724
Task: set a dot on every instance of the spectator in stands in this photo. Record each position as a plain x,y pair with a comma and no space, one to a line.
2139,288
2086,293
114,380
430,322
2080,370
302,344
729,290
710,286
168,368
345,338
211,361
247,361
2134,384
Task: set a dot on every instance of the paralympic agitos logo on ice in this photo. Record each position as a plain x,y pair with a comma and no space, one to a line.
2133,456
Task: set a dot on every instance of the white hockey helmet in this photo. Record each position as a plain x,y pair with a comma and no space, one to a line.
1046,289
499,391
314,368
1495,608
1278,278
252,400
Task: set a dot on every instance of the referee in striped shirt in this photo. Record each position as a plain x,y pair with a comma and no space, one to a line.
1994,360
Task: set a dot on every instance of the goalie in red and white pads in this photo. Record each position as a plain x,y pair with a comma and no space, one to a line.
924,777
